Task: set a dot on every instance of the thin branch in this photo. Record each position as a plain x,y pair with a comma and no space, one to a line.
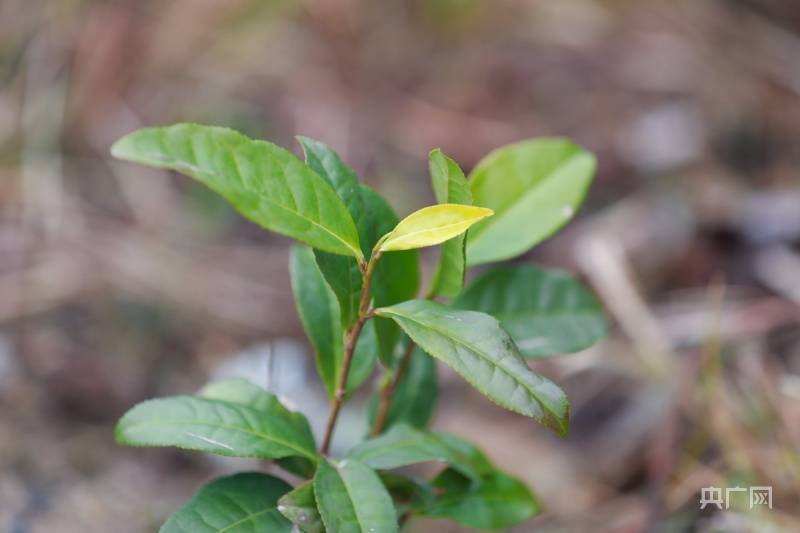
351,339
388,389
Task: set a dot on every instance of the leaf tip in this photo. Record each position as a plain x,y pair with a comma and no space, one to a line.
121,149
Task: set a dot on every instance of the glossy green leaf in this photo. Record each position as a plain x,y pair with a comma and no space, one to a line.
432,225
416,395
300,507
498,501
264,182
352,499
218,426
246,393
450,186
241,503
403,445
319,312
396,278
478,349
342,273
534,187
546,312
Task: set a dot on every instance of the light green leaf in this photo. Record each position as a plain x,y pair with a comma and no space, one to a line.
432,225
318,308
244,392
241,503
498,501
396,278
546,312
342,273
404,445
300,507
450,186
217,426
264,182
534,187
352,499
478,349
416,395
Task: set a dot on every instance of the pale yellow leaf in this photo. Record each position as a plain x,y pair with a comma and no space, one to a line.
432,225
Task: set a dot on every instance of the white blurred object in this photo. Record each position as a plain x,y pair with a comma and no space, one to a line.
8,364
284,367
668,136
771,217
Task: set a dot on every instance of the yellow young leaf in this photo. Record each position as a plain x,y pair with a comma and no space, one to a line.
432,225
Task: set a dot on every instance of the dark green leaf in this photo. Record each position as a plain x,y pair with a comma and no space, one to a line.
264,182
534,187
404,445
547,312
476,347
450,186
409,495
300,507
319,312
352,499
498,501
242,503
415,397
342,273
218,426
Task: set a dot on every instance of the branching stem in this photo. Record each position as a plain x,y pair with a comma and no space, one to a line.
350,341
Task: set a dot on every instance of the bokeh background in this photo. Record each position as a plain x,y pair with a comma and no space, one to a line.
120,283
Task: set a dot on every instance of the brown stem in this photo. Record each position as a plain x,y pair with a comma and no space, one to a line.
351,339
387,391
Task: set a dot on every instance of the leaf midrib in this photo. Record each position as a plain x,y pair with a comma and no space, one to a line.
437,228
246,519
483,356
184,422
268,200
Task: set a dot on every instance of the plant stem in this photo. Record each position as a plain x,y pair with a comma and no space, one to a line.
388,389
351,339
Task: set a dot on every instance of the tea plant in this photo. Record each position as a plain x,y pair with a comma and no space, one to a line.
355,278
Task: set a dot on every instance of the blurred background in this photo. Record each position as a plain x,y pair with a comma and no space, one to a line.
119,283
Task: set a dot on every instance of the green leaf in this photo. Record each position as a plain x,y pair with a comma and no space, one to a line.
264,182
498,501
415,397
450,186
342,273
534,187
300,507
409,495
318,308
218,426
546,312
243,392
352,499
404,445
396,278
432,225
241,503
478,349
